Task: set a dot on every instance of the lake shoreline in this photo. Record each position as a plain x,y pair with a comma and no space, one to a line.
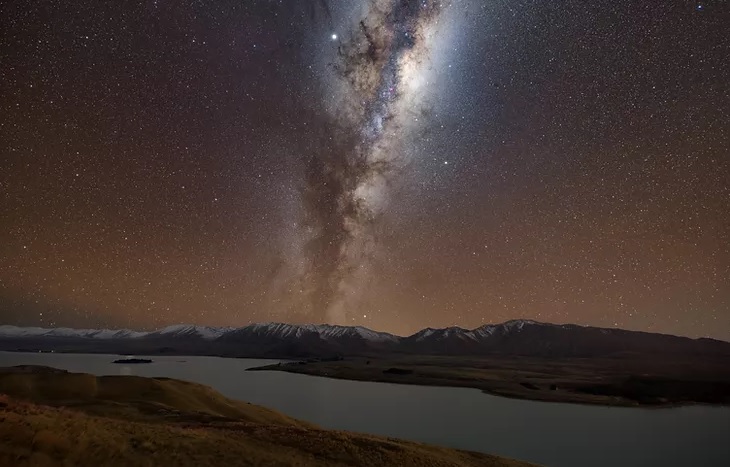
636,381
588,385
578,434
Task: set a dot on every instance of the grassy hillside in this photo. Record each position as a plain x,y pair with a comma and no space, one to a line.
130,396
56,418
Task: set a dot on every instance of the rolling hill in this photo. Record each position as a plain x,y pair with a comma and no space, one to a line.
51,417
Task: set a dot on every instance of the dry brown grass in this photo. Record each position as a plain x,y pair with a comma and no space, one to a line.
158,422
132,397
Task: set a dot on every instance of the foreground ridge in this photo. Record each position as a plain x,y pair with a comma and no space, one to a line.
52,417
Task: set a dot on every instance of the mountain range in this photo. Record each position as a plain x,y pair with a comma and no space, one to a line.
278,340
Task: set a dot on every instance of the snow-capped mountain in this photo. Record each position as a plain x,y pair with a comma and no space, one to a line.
190,330
310,340
533,338
279,340
15,331
459,340
324,331
179,330
278,330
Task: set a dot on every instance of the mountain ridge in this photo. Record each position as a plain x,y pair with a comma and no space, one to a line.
8,330
277,340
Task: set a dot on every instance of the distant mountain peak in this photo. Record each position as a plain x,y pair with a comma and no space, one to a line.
325,331
206,332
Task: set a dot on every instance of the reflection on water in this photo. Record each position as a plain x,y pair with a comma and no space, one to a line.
556,435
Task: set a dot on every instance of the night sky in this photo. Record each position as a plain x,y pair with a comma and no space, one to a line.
395,164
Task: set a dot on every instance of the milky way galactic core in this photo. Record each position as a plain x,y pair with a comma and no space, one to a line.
380,63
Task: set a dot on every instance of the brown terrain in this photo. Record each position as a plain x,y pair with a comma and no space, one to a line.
51,417
632,380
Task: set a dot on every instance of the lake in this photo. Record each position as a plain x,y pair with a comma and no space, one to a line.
555,435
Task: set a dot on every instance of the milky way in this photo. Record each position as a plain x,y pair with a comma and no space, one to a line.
347,188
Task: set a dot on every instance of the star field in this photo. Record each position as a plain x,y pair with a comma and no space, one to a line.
391,164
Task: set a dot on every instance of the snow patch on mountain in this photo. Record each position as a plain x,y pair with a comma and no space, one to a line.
517,324
445,333
423,334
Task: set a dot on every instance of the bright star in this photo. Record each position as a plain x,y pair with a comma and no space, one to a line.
334,37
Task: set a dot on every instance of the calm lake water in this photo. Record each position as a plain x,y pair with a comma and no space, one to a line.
555,435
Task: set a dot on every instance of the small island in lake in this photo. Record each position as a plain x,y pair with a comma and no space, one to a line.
132,360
